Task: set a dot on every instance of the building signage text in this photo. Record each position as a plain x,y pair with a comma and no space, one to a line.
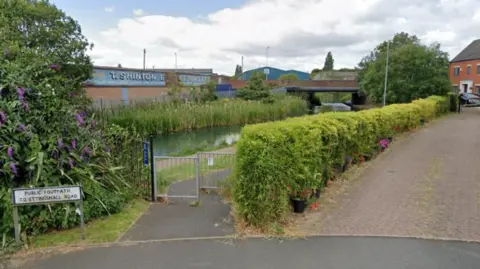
113,77
193,80
135,76
46,195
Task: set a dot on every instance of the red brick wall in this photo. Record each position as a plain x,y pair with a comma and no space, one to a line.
463,73
107,93
141,92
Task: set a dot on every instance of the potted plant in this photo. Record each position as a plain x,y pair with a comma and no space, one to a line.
299,200
384,144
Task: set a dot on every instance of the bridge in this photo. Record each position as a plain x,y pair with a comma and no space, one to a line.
358,96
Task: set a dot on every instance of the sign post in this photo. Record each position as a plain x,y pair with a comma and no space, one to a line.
145,153
48,195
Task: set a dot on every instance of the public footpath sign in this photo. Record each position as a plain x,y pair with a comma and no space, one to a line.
48,195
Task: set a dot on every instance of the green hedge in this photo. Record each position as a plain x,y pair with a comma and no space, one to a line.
278,160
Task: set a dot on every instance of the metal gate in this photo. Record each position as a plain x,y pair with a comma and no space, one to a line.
183,177
215,167
176,177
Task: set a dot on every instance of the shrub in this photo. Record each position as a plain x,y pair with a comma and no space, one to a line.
453,98
277,160
46,137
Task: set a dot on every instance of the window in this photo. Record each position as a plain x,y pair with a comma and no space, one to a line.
456,71
478,68
469,69
455,89
477,89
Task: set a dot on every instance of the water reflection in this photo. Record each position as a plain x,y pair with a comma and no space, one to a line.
198,140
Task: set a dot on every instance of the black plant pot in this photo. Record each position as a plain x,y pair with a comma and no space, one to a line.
367,157
344,167
316,193
422,121
299,206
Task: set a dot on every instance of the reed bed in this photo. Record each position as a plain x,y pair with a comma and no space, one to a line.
161,118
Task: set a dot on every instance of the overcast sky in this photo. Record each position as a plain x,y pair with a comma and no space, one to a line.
217,33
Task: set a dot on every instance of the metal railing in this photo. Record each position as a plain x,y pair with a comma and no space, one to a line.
176,177
184,177
215,167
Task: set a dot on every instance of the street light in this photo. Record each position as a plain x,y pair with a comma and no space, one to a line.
386,75
175,62
266,62
266,56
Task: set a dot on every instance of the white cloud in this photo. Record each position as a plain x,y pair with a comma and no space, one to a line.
109,9
138,12
299,33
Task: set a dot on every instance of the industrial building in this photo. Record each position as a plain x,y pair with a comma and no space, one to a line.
272,73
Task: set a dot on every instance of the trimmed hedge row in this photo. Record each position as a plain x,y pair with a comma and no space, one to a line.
280,160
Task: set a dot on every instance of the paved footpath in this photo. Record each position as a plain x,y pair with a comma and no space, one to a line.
314,253
426,185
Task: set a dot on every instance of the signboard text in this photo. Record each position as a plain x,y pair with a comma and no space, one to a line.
46,195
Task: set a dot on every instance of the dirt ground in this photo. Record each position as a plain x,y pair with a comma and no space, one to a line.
427,184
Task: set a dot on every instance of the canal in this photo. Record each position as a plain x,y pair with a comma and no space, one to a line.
188,143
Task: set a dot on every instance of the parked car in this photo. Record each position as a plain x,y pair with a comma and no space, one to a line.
469,99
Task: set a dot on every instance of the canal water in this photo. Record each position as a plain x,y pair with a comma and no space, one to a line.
201,139
205,139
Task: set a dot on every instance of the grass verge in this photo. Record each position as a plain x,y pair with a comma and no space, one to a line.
103,230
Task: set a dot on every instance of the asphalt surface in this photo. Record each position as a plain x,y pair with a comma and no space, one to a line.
180,220
316,252
427,184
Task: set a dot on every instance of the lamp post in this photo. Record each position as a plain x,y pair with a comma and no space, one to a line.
175,62
386,75
266,62
144,57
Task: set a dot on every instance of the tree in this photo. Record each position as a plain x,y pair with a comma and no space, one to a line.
347,69
38,30
207,91
289,77
256,89
314,72
414,71
328,66
238,70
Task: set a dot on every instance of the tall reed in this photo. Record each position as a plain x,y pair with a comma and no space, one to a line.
160,118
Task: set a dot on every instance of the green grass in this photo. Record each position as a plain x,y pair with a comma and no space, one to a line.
103,230
173,171
161,118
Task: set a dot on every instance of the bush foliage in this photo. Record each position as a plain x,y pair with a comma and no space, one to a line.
279,160
46,137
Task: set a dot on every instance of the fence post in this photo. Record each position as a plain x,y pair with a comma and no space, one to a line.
197,175
152,170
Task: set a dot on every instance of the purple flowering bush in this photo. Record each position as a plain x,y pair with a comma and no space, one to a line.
46,137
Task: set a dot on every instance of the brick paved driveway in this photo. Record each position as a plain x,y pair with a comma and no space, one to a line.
426,185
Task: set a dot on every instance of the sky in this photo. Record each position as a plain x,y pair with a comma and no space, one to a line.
296,34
